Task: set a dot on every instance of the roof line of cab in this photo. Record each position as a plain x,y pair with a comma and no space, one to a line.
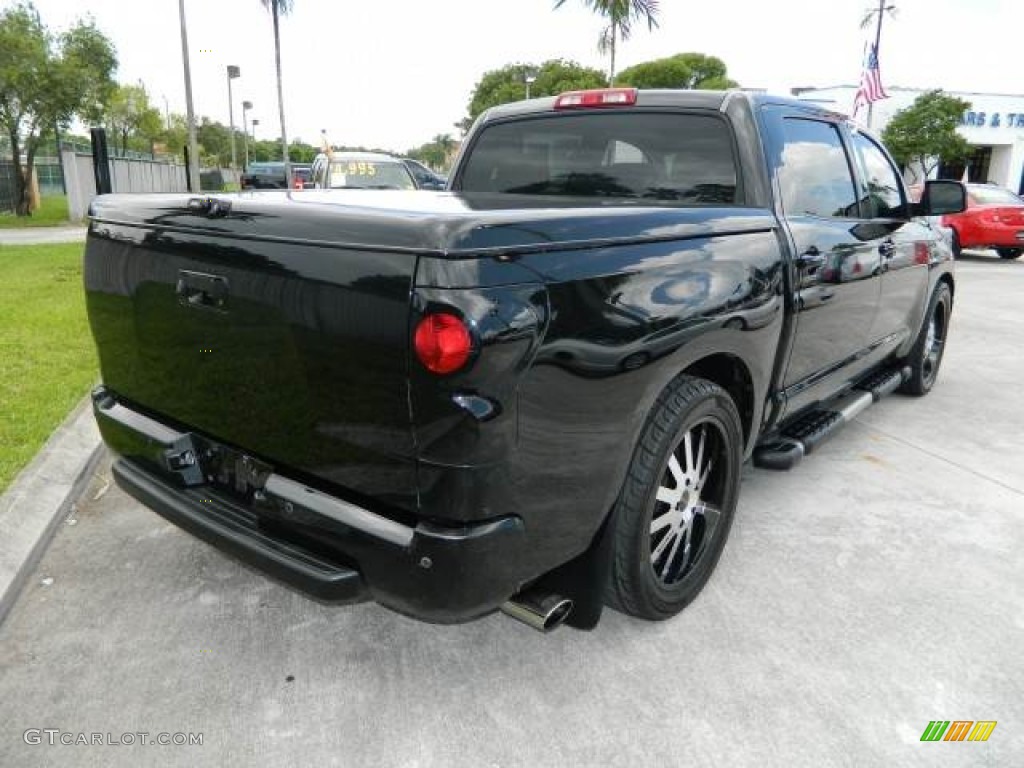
692,99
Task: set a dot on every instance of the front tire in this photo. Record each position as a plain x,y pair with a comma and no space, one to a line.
926,356
1008,253
673,515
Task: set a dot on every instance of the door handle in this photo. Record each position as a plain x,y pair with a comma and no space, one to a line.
197,289
887,248
810,258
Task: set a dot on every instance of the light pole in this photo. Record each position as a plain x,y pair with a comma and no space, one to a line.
255,122
529,78
881,11
192,169
246,106
233,72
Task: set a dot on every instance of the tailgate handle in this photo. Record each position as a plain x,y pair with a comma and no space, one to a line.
210,206
197,289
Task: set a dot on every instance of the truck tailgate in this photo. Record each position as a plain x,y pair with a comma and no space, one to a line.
292,351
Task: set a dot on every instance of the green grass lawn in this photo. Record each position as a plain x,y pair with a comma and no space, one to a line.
47,359
52,211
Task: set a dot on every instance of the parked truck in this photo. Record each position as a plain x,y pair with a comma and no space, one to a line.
533,391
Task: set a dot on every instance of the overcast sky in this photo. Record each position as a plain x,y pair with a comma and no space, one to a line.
393,73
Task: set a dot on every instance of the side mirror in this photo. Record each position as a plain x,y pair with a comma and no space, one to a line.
940,197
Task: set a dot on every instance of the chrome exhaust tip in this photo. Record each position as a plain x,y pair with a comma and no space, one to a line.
540,610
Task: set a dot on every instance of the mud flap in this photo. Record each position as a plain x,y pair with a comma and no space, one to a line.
584,580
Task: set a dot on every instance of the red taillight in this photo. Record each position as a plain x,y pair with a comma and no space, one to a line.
922,254
605,97
442,342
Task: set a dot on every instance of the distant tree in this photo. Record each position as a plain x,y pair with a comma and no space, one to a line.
621,15
130,114
446,144
924,134
684,70
501,86
270,151
46,80
436,153
175,135
301,152
277,9
214,142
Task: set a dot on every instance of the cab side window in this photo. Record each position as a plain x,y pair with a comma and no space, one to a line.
884,191
815,176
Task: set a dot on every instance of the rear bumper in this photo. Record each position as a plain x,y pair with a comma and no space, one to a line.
323,545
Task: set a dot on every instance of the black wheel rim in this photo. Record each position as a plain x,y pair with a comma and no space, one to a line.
934,342
688,502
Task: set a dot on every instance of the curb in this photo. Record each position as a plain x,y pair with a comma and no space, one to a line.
41,496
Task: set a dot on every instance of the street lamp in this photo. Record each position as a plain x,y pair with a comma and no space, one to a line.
192,169
255,122
246,106
233,72
529,78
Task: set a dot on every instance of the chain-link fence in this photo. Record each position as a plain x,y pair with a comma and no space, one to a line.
7,191
49,175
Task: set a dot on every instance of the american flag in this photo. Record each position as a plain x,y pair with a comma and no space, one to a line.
871,89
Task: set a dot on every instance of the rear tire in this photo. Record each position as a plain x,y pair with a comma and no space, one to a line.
673,515
926,356
1009,253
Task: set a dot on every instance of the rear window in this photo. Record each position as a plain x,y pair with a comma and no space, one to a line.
994,196
672,157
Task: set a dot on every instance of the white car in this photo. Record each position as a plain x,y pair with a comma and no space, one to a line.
360,170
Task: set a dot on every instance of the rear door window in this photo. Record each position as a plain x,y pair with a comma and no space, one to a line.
682,158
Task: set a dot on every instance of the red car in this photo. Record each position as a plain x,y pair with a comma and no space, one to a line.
994,219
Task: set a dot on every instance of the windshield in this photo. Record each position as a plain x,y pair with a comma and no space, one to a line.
369,174
680,158
994,196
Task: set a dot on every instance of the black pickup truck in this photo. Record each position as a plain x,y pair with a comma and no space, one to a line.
534,391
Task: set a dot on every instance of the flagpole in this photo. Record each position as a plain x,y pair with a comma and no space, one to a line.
878,41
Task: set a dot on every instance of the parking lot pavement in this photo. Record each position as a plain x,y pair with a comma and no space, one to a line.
875,588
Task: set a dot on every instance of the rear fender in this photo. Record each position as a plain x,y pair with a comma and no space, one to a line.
469,418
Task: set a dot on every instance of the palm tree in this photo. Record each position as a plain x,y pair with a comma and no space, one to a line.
445,145
621,15
871,13
280,8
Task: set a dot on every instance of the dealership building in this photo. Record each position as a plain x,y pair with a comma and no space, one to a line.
993,126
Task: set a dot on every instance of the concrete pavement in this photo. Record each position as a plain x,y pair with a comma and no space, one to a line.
877,587
41,494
